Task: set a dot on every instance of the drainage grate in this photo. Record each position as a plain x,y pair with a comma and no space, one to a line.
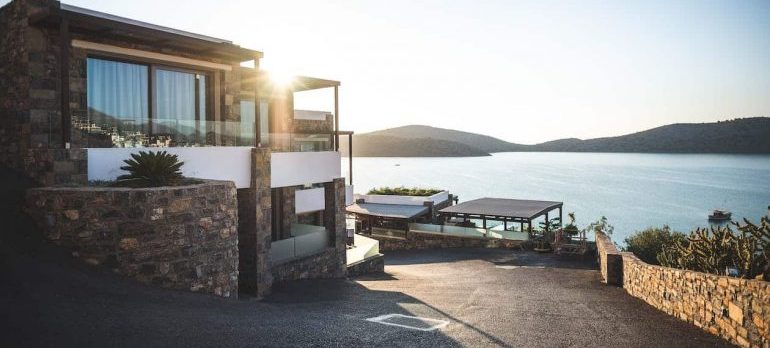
409,322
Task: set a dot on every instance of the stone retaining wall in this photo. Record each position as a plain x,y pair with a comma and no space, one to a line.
735,309
418,240
372,264
182,237
325,264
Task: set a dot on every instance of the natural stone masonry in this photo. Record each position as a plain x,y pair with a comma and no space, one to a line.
254,231
322,265
369,265
418,240
182,237
735,309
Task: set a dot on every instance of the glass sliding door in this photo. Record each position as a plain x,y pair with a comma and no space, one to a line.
248,122
118,104
180,108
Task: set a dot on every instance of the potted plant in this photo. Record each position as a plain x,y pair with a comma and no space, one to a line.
571,229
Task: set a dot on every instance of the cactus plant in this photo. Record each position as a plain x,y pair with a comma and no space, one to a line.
718,249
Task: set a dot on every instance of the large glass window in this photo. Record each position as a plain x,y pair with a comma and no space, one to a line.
180,108
118,104
137,105
248,123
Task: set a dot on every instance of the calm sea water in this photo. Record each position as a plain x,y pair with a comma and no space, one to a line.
633,191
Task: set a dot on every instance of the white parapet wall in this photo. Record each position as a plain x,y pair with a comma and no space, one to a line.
404,200
301,168
231,163
349,196
310,200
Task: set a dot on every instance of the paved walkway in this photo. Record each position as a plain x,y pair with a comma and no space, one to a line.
487,297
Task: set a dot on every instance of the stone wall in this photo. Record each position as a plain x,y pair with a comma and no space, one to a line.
322,265
255,227
418,240
182,237
372,264
610,260
735,309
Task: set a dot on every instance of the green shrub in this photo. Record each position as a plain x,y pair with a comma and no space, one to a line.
403,191
151,169
648,243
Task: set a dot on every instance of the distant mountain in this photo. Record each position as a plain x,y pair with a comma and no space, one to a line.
747,135
482,142
373,145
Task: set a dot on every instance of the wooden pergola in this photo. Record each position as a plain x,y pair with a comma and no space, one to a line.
506,210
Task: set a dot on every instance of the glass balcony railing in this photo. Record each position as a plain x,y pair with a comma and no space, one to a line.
306,240
125,133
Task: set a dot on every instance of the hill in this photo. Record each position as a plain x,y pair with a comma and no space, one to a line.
747,135
373,145
481,142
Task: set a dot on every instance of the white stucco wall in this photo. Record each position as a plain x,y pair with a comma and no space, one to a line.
231,163
404,200
300,168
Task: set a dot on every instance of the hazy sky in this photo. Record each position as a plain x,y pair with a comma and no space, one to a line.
523,71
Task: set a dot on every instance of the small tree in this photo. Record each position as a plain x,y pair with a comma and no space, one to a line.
571,229
601,225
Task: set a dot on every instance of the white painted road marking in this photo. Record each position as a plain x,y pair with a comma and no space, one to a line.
515,267
383,320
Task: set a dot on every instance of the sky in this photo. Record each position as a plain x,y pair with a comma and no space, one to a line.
522,71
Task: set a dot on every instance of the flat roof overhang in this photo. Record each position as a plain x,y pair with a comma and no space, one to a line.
519,210
99,24
389,211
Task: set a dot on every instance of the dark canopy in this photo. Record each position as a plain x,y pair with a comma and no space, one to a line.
502,208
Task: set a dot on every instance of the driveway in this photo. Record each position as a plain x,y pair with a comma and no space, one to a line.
478,297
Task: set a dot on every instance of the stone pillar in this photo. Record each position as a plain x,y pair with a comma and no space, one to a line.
334,220
254,228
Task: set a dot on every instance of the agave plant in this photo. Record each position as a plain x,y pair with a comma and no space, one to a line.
151,169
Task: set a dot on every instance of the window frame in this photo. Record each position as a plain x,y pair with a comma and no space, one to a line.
211,93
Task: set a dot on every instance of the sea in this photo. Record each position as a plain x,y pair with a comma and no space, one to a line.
634,191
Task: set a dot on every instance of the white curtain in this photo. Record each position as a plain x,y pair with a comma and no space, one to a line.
117,95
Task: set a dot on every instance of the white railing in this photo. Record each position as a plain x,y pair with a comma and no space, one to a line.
306,240
300,168
471,232
364,248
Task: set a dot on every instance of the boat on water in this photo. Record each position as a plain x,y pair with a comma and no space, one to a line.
720,215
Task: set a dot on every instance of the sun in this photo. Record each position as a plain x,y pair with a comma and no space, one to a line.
281,78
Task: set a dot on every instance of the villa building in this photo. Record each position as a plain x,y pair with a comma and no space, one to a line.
80,90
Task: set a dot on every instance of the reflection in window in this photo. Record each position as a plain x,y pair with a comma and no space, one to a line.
178,108
118,104
248,123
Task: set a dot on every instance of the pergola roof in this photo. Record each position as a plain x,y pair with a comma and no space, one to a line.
503,208
395,211
89,22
